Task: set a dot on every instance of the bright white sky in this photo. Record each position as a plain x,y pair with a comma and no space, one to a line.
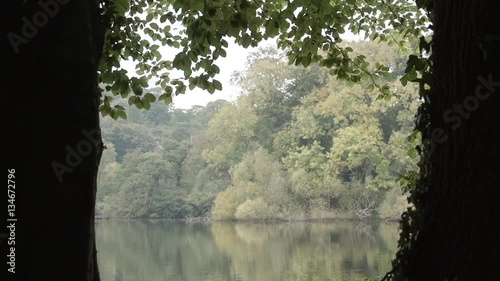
234,61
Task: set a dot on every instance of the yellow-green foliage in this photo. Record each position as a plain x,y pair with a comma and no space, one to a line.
296,144
255,209
258,190
393,205
225,204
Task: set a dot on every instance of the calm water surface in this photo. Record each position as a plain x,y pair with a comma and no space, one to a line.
180,251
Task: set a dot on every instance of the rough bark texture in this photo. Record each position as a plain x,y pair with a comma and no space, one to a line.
460,197
52,100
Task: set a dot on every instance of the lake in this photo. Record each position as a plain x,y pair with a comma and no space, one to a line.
138,250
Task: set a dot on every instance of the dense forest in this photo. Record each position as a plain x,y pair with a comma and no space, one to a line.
296,144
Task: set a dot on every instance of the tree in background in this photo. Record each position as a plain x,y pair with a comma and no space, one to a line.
258,190
336,154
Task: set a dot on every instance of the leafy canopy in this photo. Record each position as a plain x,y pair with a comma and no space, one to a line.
196,33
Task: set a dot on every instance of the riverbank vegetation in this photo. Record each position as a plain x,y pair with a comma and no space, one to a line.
296,144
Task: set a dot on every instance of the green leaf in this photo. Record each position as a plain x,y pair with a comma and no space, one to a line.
169,90
211,88
122,6
114,114
143,81
105,109
385,90
411,75
387,75
150,97
137,89
215,69
246,40
131,100
138,103
412,152
156,54
192,85
168,99
306,61
217,85
122,114
180,89
404,80
197,5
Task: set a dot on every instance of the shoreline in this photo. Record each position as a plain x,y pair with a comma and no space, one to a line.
261,221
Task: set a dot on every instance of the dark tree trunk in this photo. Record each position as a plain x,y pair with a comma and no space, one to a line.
53,135
460,192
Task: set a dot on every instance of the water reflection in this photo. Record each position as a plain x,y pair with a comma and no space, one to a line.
177,251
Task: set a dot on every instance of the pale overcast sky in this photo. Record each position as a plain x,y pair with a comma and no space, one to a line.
234,61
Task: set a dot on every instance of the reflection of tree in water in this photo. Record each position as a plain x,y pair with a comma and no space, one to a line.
318,251
364,231
252,233
138,250
118,276
148,250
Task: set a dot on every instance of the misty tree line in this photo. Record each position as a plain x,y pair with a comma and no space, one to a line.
296,144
